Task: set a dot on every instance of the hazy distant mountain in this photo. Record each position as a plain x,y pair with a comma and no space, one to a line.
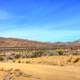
23,42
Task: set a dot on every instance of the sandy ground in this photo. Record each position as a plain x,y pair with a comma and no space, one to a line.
39,72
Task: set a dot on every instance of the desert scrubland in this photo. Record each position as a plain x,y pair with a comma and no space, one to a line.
42,68
63,63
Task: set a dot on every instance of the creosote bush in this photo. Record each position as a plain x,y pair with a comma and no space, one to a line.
1,58
19,61
60,51
37,53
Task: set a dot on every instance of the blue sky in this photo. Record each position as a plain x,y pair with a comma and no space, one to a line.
41,20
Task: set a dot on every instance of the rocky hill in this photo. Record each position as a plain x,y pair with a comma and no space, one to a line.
14,42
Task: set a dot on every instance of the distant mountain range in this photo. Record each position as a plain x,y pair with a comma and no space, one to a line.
14,42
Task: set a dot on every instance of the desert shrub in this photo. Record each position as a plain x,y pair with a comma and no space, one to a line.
17,70
17,56
37,53
19,61
75,60
74,53
27,61
60,52
2,69
1,58
14,61
10,58
69,59
50,53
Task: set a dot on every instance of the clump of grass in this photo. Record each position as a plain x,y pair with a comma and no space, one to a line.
1,58
13,61
75,60
1,69
8,70
27,61
61,64
69,59
19,61
19,73
17,70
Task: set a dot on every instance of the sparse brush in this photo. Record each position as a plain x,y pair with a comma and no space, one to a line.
69,59
27,61
75,60
1,58
61,64
13,61
1,69
19,61
17,70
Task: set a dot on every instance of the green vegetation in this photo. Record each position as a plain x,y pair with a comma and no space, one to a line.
60,51
37,53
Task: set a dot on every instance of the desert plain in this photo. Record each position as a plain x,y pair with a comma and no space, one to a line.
42,68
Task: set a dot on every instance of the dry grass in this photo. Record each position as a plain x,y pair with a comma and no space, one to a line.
51,60
20,71
35,68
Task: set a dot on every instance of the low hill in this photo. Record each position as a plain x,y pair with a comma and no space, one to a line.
14,42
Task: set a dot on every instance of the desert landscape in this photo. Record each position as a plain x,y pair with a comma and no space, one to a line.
39,39
45,68
39,63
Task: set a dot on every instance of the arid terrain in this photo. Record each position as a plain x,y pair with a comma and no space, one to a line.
43,68
39,39
62,62
13,42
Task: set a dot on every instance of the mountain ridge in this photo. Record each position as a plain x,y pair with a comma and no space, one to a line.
13,42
